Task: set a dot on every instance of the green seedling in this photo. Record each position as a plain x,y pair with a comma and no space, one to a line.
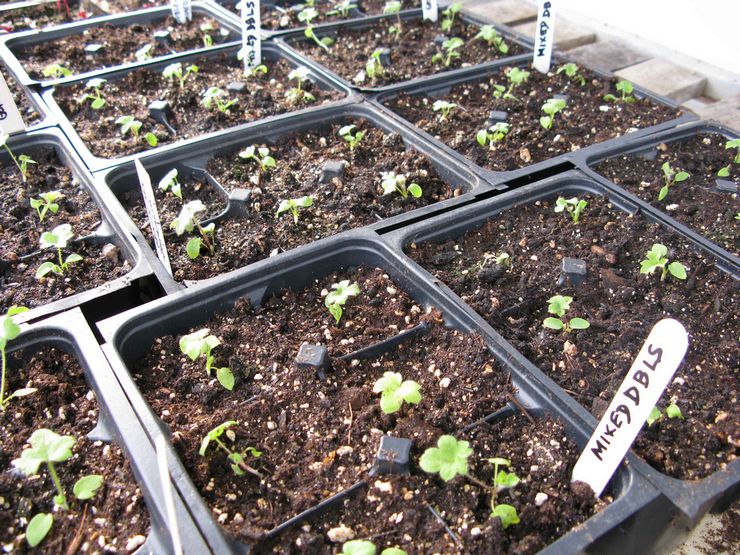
306,16
395,390
450,46
188,220
353,136
551,107
574,207
151,139
205,30
503,480
175,71
253,71
391,8
201,344
129,124
449,16
571,71
261,155
494,134
516,77
373,66
657,257
338,297
213,95
671,178
366,547
448,459
96,97
671,411
170,183
502,259
38,527
293,205
296,94
734,143
9,330
392,182
144,53
444,107
624,87
236,458
559,305
737,216
56,71
58,239
491,36
46,203
342,8
22,161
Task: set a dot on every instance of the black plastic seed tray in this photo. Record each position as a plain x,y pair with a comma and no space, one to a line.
647,146
16,42
138,285
117,423
191,159
692,498
633,522
270,53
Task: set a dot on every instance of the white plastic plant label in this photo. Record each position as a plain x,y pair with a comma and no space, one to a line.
544,36
182,10
429,9
251,51
649,375
169,500
151,211
10,118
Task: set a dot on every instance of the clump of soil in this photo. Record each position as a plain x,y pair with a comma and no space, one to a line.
695,202
621,305
587,118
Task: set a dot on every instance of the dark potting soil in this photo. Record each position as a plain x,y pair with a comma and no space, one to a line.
28,112
411,57
352,201
120,44
695,202
34,17
116,519
621,305
131,95
20,231
587,119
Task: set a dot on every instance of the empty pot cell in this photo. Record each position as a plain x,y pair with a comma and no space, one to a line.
264,95
585,118
697,201
63,202
620,302
316,437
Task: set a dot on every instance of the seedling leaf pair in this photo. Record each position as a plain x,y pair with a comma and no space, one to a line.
573,206
657,258
392,182
394,391
201,343
338,297
448,459
559,305
57,238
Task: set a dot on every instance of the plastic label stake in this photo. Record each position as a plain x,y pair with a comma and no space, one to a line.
151,211
182,10
10,118
544,36
649,375
429,9
169,501
251,51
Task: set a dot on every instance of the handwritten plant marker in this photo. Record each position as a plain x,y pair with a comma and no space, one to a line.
251,50
429,9
182,10
155,225
544,36
10,118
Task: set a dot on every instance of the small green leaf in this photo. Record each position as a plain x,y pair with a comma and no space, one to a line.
38,527
663,192
98,103
578,323
151,139
507,514
336,311
87,487
724,172
393,551
72,258
45,268
449,458
681,176
415,190
672,411
553,323
193,247
359,547
654,416
225,377
482,137
677,270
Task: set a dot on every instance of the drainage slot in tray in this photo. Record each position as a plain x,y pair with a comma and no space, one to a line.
530,178
394,227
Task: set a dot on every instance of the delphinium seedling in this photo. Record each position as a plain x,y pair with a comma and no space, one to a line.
573,206
559,305
47,202
175,71
571,70
236,458
494,134
671,177
671,411
296,94
9,330
503,480
188,220
170,183
515,77
444,108
395,390
501,259
205,30
551,107
201,344
342,8
450,46
250,72
129,124
391,8
391,182
338,297
58,239
366,547
657,257
491,36
96,97
213,96
144,53
56,71
306,16
624,87
352,135
734,143
22,161
448,459
373,66
293,206
261,155
449,14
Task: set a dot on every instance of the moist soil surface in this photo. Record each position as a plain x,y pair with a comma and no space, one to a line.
119,45
410,57
695,202
343,203
20,231
116,516
318,438
29,114
587,118
34,17
621,305
264,95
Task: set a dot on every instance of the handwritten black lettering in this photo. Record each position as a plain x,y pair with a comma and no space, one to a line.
633,395
642,378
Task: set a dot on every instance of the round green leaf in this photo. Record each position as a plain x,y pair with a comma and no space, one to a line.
481,137
415,190
663,192
358,547
507,514
681,176
225,378
193,248
553,324
677,270
724,172
45,268
578,323
38,528
87,487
